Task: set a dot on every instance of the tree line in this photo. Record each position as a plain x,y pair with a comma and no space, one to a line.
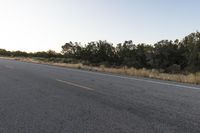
166,55
42,54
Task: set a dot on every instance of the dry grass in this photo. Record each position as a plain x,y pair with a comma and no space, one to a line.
193,78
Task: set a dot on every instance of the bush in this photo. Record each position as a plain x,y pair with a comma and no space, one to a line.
174,69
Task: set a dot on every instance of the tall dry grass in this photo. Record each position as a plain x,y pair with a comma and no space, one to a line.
193,78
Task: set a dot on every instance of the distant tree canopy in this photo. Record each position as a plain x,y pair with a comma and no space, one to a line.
166,55
43,54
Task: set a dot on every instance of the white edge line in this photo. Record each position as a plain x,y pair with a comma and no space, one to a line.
137,79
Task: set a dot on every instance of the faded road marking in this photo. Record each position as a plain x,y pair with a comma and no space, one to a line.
74,84
9,67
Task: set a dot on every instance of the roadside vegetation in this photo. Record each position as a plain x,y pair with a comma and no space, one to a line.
177,60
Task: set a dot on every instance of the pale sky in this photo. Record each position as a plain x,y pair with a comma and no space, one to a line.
37,25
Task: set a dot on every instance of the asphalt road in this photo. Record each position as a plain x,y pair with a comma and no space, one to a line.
38,98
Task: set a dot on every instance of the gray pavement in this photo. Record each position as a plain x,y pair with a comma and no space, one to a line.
37,98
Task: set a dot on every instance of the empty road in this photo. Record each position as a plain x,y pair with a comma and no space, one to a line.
37,98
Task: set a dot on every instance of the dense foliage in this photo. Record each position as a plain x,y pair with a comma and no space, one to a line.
166,55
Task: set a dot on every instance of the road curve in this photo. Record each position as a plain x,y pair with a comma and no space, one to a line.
37,98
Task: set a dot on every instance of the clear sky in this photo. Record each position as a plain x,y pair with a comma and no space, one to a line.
36,25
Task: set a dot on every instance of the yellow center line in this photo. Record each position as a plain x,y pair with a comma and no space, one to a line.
76,85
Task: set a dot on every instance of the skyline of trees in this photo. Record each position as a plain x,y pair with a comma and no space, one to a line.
166,55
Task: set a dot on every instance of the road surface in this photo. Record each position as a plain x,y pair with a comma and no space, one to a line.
37,98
